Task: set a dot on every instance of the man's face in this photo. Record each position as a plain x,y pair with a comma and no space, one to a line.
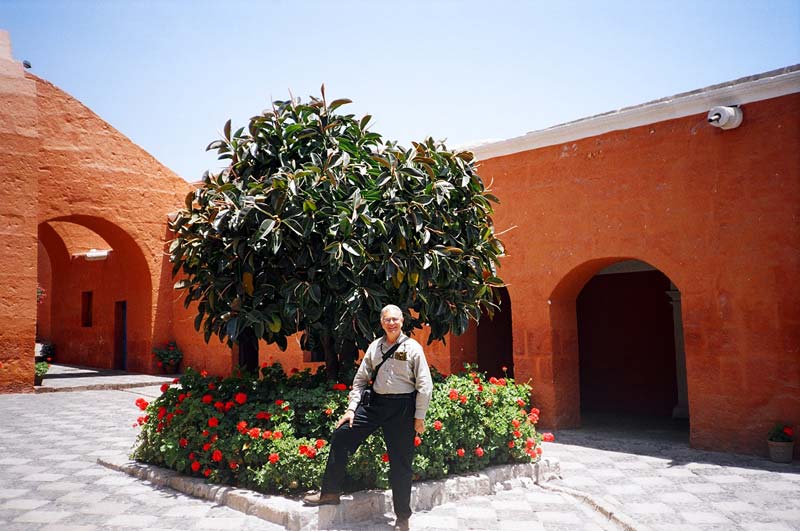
392,322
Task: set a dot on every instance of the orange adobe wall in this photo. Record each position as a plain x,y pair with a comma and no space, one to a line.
716,211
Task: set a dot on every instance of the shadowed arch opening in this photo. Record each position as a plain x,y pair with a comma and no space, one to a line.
494,341
89,289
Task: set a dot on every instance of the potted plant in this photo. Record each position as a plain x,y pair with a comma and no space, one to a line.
40,369
781,443
168,357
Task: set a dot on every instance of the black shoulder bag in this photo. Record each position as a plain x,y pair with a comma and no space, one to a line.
366,394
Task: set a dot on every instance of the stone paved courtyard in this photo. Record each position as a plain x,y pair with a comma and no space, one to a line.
49,444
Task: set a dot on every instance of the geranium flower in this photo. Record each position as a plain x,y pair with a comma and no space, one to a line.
329,412
141,403
164,387
216,455
437,425
206,447
207,399
339,387
535,411
266,434
548,437
539,450
385,458
517,433
203,373
213,422
463,399
211,386
530,442
479,451
277,435
515,423
241,426
195,466
493,380
279,402
320,443
501,381
520,402
417,441
311,454
183,443
273,458
788,431
453,394
303,449
207,472
228,406
240,398
191,456
511,444
263,415
460,452
233,465
254,433
219,406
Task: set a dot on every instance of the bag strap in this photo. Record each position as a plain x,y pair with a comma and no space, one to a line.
386,356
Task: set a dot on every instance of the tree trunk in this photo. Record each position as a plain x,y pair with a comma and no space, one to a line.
248,350
349,355
331,358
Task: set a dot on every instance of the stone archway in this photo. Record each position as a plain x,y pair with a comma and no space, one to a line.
88,289
630,343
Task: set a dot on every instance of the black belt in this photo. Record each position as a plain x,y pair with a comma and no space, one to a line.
396,396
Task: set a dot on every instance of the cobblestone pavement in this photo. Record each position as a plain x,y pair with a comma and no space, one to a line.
664,485
49,478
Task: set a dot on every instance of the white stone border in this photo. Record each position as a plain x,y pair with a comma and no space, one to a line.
755,88
358,507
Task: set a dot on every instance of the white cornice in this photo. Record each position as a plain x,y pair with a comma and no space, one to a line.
756,88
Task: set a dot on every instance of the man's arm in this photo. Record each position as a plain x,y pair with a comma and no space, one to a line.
424,383
361,380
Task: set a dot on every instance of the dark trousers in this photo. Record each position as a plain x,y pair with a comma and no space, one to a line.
396,417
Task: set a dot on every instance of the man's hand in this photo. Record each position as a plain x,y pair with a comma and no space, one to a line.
419,426
348,416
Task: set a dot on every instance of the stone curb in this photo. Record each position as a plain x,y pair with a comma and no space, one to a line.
95,387
357,507
619,518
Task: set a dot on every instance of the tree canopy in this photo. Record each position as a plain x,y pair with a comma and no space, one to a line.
317,223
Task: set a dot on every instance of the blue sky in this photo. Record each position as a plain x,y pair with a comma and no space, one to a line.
168,74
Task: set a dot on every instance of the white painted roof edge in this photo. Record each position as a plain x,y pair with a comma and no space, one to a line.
771,84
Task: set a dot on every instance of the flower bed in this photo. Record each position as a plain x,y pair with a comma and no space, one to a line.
271,434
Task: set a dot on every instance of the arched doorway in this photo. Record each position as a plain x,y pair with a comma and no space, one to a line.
494,339
99,298
630,348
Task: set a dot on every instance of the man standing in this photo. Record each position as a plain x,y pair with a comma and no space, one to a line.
402,392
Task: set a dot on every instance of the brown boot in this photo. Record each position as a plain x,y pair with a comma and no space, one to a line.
401,524
318,498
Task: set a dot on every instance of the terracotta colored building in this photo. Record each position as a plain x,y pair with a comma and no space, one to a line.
653,268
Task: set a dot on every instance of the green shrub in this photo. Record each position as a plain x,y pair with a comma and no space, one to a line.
41,368
271,433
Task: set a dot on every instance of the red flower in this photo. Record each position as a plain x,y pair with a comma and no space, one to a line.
207,399
195,466
266,434
505,369
279,402
228,406
417,441
480,388
240,398
539,450
385,458
511,444
788,431
213,422
216,455
206,447
311,454
175,380
273,458
303,450
206,472
233,465
191,456
533,418
463,399
164,387
489,403
479,451
162,411
517,434
339,387
277,435
453,394
530,442
205,433
329,412
254,433
263,415
320,443
181,397
203,373
183,443
548,437
460,452
219,406
437,425
493,380
160,364
241,426
211,386
515,423
535,411
141,403
520,402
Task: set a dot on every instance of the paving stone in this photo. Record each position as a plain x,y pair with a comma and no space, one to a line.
705,517
41,517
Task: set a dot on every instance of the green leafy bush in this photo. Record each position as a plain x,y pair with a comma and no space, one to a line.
271,433
41,368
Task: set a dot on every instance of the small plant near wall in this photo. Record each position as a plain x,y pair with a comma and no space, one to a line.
169,357
40,369
781,443
40,294
781,433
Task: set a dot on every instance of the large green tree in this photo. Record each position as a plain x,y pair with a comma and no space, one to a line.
317,223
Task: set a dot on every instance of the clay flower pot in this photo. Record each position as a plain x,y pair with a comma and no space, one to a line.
781,452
